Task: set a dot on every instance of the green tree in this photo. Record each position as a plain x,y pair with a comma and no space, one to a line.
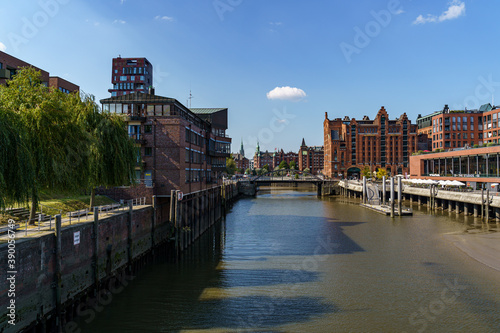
248,171
307,170
293,165
366,172
56,143
382,172
230,165
266,167
283,165
16,171
112,152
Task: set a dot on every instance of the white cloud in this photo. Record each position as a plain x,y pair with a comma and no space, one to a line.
399,11
287,93
2,47
276,23
164,18
455,10
119,21
121,2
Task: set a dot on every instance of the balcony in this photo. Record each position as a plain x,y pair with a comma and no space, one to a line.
135,118
5,74
138,138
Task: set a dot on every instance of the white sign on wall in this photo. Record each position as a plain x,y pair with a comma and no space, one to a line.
76,238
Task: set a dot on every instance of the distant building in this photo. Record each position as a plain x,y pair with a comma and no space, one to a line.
241,161
9,65
350,144
280,156
452,129
311,157
130,75
262,158
179,148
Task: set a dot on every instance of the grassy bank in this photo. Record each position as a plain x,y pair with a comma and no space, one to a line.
54,203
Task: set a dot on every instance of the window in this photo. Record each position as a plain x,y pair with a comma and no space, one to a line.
123,78
132,78
148,151
148,128
472,135
465,136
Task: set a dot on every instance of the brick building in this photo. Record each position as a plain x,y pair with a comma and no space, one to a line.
350,144
241,161
178,148
262,158
455,129
475,167
311,157
9,65
280,155
131,75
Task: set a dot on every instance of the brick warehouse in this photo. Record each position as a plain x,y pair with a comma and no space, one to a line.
449,129
351,144
179,148
9,66
311,157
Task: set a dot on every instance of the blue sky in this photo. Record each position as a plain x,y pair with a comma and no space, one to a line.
277,65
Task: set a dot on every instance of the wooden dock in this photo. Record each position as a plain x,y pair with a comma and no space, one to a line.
386,210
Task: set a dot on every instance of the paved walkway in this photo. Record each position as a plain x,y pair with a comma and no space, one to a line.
484,247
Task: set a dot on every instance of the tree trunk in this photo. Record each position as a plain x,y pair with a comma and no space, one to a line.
34,205
92,197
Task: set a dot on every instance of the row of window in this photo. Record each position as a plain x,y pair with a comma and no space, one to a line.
194,138
128,86
198,175
194,156
133,70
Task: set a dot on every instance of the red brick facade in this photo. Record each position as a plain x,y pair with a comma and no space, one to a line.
178,150
131,75
311,157
350,144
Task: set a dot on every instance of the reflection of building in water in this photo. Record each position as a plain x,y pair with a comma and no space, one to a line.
476,166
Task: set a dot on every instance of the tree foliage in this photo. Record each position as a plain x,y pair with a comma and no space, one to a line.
230,165
283,165
381,173
366,172
63,142
293,165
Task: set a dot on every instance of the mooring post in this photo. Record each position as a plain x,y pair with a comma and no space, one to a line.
364,189
58,267
400,196
383,189
482,203
96,249
129,236
392,196
153,222
487,208
176,222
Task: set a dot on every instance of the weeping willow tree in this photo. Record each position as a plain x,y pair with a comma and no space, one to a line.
112,152
56,143
16,171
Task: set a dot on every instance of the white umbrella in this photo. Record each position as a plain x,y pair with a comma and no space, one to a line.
457,183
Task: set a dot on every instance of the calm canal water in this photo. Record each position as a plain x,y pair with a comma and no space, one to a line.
287,261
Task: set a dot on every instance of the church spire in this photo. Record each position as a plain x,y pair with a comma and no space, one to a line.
303,143
242,150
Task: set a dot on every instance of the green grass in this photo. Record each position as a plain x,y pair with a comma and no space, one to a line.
53,203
